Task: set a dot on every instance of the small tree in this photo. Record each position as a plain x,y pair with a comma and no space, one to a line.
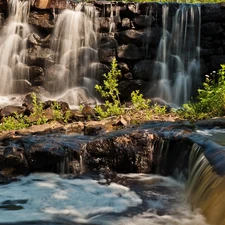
110,91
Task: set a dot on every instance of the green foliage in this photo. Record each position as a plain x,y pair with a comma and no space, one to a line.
138,101
109,90
211,99
18,121
159,110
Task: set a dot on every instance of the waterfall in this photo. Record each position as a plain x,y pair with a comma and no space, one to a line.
74,40
178,59
12,42
205,188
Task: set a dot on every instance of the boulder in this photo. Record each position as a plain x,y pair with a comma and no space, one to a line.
42,20
126,23
128,52
13,162
142,21
211,28
38,56
106,55
35,39
10,110
127,86
144,70
129,37
130,153
107,41
21,86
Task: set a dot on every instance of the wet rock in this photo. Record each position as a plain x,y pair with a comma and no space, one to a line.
104,24
129,37
46,153
143,70
89,113
10,110
211,28
21,71
36,75
106,55
13,162
126,23
76,115
152,36
35,39
38,56
97,70
127,86
42,20
212,12
57,78
78,96
142,21
92,129
128,76
121,153
86,54
107,41
123,67
63,106
21,86
129,52
216,61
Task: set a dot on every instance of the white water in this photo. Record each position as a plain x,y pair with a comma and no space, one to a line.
12,42
178,59
74,41
48,197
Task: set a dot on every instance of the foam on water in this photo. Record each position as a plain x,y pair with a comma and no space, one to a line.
146,199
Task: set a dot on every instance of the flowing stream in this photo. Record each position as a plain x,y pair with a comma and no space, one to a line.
135,199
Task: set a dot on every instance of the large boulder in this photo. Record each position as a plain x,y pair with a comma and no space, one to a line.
38,56
143,70
129,37
129,52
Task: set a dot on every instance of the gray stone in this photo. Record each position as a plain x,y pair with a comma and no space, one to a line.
129,52
129,37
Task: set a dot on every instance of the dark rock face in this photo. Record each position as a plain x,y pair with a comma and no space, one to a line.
127,153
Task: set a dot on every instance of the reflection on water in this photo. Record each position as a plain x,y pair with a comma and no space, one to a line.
133,199
217,135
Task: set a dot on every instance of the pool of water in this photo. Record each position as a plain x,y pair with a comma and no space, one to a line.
132,199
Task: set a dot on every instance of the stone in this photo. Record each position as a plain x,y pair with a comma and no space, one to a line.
49,4
10,110
36,75
38,56
129,37
152,36
144,70
127,86
142,21
211,28
35,39
128,52
57,78
21,86
107,41
216,61
96,71
126,23
212,12
104,24
106,55
89,113
92,129
42,20
123,67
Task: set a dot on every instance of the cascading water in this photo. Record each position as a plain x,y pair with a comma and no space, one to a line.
74,41
12,42
178,57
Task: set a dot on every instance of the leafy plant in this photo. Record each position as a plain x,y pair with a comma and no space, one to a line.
138,101
210,99
109,90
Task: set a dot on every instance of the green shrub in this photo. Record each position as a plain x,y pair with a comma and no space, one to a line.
138,101
109,90
210,99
